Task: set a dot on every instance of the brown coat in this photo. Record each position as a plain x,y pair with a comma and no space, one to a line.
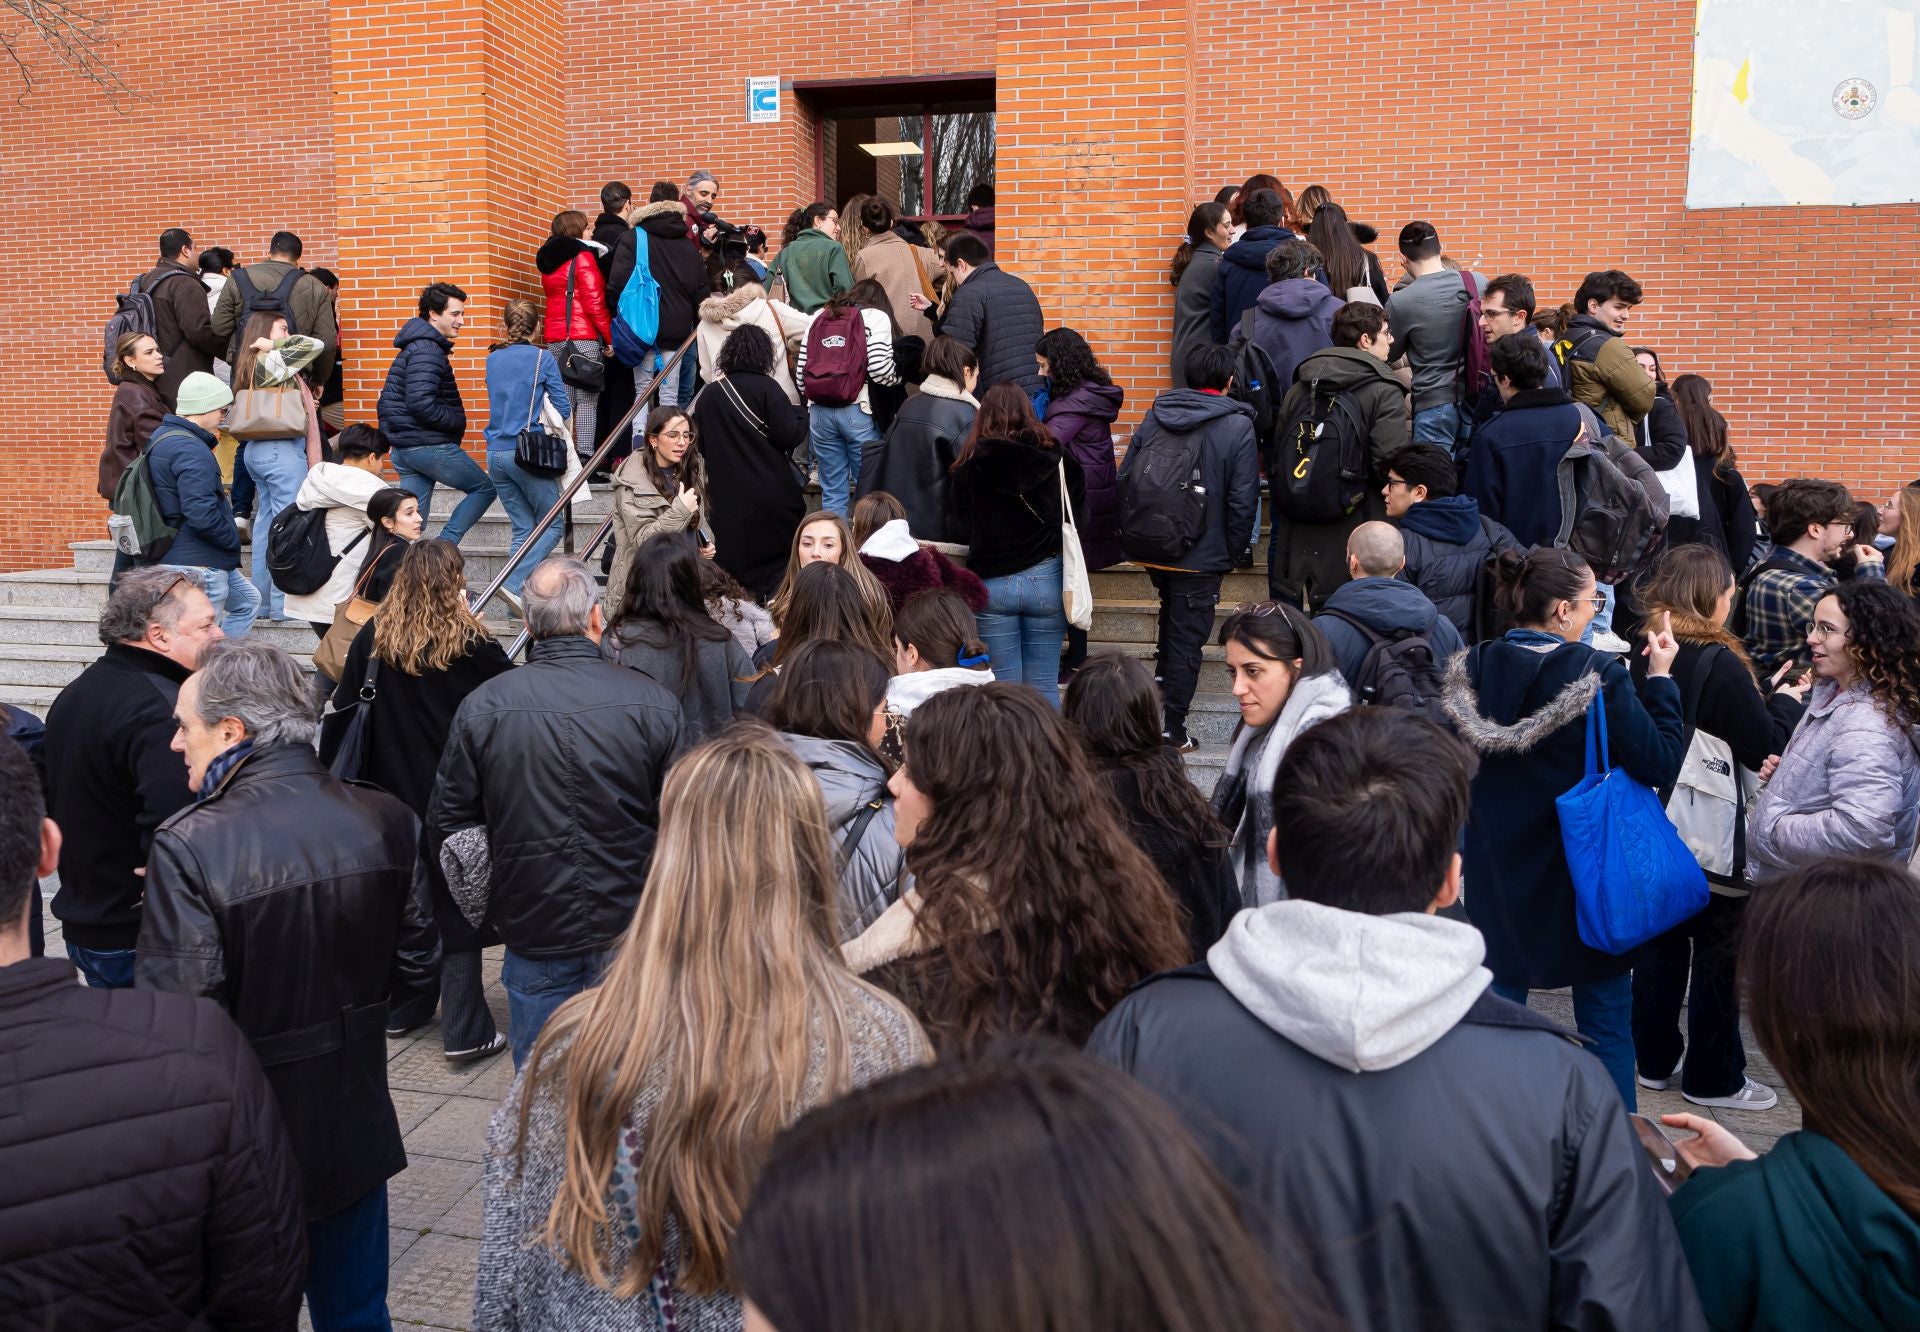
137,409
181,325
313,313
640,511
889,261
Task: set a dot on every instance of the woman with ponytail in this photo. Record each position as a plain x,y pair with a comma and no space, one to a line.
1209,232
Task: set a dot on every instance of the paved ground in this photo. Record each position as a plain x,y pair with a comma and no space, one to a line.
434,1204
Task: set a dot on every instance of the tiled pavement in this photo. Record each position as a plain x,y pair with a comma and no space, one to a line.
434,1205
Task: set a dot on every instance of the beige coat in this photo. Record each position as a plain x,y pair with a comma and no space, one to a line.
749,304
889,261
640,511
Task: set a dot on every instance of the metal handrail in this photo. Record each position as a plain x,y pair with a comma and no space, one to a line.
600,534
572,488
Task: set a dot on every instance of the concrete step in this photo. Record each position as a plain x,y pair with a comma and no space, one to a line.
1135,620
1129,582
35,699
1214,677
78,626
484,557
1204,766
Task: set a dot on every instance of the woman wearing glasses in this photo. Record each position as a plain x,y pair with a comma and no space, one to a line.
1521,700
1848,783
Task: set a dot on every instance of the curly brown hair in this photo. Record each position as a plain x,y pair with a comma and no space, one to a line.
425,624
1883,634
1039,906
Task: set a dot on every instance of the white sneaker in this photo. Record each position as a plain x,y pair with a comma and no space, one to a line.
1611,642
513,602
1657,1084
244,526
1753,1096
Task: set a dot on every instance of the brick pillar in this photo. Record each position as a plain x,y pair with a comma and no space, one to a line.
450,161
1092,171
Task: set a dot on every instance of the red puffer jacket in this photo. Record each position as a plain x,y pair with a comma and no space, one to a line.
591,322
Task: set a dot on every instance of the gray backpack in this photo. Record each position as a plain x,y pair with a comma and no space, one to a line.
1613,509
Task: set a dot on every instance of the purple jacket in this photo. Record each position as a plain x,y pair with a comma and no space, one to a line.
1292,320
1083,420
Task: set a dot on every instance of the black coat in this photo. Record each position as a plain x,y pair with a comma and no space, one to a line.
996,316
146,1179
412,715
1525,712
182,325
755,495
562,761
1727,520
674,260
420,401
1201,875
1229,464
1513,469
290,898
112,779
1005,503
609,229
914,461
1490,1182
1448,542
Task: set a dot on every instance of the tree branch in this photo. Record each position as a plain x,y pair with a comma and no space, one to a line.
79,33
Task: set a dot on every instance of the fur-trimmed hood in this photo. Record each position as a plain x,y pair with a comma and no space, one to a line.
727,308
1488,736
896,934
660,208
557,252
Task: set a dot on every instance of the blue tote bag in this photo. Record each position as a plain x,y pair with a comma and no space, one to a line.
1633,878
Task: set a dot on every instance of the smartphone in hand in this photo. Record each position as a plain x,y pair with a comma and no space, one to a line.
1669,1170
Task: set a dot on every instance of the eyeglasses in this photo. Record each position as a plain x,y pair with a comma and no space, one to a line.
1821,629
1393,481
1598,601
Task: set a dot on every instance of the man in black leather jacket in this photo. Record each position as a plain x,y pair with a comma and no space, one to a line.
1445,1158
561,762
289,898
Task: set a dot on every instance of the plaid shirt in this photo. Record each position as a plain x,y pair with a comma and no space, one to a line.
1780,604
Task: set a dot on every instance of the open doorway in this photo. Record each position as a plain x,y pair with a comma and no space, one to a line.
921,144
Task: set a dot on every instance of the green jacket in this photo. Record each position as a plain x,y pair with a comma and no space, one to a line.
1797,1241
815,267
314,315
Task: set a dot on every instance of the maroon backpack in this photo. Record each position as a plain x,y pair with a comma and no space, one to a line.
836,356
1476,358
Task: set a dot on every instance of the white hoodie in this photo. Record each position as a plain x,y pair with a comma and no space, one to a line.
1362,992
343,491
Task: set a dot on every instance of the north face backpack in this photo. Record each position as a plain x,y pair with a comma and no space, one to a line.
636,318
1163,496
836,356
1322,466
253,301
140,531
1257,383
300,559
133,313
1399,672
1607,517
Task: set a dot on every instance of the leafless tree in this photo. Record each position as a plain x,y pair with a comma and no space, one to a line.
79,33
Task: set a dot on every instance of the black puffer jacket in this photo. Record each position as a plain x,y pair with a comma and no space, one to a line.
675,263
289,897
1005,504
146,1180
1448,542
420,402
997,317
914,462
562,762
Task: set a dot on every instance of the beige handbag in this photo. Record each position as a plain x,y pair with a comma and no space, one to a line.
330,657
1076,586
269,413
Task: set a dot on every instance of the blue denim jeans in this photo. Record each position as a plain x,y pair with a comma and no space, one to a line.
1445,425
536,987
526,498
277,467
448,464
677,391
1603,1013
347,1268
1022,626
838,435
234,599
103,968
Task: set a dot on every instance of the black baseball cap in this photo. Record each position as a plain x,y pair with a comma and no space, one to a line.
1417,235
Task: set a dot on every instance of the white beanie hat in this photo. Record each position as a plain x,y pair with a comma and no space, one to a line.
201,392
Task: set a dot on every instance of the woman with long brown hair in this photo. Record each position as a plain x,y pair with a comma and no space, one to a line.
1349,263
1823,1230
137,406
1731,722
1733,525
412,666
663,629
1032,910
1209,232
824,537
621,1160
844,603
1007,504
1900,519
271,358
660,488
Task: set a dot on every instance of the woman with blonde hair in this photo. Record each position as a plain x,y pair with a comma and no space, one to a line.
1900,519
621,1160
826,537
271,358
412,666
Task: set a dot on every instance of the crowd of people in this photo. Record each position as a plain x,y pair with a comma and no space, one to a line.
871,959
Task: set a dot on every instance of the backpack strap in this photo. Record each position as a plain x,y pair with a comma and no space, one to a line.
858,829
1246,323
284,292
1373,639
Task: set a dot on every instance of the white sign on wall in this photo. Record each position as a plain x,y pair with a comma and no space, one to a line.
763,100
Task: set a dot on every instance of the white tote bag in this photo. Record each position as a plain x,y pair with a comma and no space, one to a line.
1680,481
1076,585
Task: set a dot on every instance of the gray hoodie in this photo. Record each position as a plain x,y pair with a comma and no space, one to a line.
1362,992
1242,798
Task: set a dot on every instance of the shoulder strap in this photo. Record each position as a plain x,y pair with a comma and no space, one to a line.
247,290
364,533
533,396
1372,638
739,405
858,829
1246,322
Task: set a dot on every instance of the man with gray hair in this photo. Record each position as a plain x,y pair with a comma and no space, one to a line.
703,190
288,897
558,766
111,777
1376,608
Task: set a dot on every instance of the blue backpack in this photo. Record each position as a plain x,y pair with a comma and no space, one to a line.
636,320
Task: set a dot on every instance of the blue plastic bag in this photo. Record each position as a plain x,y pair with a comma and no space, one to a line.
1633,878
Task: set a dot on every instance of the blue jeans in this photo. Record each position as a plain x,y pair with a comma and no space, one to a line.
1603,1013
277,467
103,968
448,464
1023,624
838,435
234,599
526,498
1445,425
676,392
347,1268
537,986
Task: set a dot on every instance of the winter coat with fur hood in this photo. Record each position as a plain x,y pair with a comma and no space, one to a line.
906,568
746,304
588,321
675,263
1521,701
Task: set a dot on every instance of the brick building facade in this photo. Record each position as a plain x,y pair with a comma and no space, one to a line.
408,142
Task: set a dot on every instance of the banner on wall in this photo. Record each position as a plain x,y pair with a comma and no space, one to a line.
1805,102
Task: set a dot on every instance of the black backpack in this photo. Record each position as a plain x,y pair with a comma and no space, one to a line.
1400,672
1163,495
1257,383
133,313
299,557
253,301
1322,469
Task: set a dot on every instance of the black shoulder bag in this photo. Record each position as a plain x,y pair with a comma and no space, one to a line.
356,742
536,452
584,372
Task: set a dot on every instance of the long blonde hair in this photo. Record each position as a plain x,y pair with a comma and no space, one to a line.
424,623
728,976
1903,561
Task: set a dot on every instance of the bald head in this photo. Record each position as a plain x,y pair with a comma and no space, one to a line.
1376,551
